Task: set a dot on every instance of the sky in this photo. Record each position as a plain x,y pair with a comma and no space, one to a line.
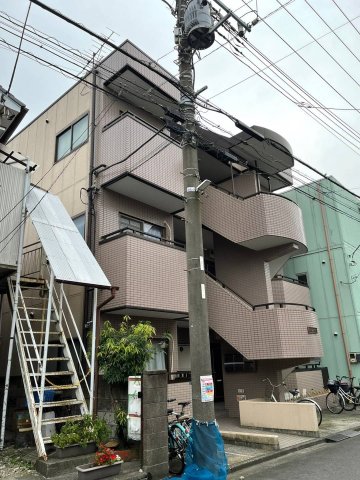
332,79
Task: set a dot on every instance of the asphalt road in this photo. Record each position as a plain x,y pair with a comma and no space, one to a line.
329,460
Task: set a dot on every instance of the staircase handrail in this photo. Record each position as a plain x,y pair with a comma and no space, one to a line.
70,336
23,343
222,284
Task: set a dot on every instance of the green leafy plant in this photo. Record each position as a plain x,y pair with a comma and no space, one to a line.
120,416
81,433
124,351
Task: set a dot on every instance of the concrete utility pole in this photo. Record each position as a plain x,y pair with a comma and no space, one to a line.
197,302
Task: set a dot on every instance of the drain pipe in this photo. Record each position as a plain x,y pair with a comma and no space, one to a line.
332,270
97,341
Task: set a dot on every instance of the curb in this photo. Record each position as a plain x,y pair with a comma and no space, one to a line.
280,453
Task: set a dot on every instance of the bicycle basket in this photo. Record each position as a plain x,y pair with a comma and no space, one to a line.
333,386
345,386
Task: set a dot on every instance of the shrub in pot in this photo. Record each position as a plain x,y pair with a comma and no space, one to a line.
77,438
107,463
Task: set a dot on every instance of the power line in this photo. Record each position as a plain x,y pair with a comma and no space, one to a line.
207,107
342,11
332,30
321,46
18,53
276,61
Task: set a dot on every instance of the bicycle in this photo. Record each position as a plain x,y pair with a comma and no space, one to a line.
178,437
342,395
295,393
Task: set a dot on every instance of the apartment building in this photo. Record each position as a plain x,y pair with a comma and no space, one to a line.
330,269
115,143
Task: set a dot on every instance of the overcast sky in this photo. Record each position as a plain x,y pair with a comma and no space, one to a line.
149,24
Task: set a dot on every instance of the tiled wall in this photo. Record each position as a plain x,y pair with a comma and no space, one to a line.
284,291
182,392
110,204
243,270
141,268
263,333
244,220
243,185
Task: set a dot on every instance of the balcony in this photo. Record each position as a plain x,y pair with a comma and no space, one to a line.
271,331
141,176
258,222
150,274
288,290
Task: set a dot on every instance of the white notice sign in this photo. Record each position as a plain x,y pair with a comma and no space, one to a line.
207,388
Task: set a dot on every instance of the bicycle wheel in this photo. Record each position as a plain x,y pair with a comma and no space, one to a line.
176,462
349,402
334,403
317,408
179,436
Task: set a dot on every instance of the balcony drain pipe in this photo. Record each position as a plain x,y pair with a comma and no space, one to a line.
332,271
97,341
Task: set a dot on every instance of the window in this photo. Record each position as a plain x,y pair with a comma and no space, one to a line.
72,138
148,230
80,224
159,358
237,363
302,278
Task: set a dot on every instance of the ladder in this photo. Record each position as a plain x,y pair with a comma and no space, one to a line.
43,336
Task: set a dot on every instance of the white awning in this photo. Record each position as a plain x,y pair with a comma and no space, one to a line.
69,256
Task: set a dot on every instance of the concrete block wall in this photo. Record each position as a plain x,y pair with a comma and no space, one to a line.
155,424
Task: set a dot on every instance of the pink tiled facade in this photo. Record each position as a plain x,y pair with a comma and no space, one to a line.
249,233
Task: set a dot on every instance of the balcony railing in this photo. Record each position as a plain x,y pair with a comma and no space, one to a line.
179,376
290,279
136,232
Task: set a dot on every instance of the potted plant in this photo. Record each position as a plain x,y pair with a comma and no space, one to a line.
80,438
106,464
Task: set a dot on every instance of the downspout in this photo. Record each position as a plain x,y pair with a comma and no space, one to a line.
97,341
332,270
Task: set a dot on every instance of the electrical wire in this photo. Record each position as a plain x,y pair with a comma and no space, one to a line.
18,53
351,22
275,62
218,110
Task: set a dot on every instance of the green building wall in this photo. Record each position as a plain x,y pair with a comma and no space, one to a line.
336,296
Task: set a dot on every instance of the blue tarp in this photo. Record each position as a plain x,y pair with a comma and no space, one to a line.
205,455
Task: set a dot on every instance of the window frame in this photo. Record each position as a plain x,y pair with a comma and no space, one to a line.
79,216
71,128
141,230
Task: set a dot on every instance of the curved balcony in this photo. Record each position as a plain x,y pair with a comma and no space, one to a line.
258,222
268,331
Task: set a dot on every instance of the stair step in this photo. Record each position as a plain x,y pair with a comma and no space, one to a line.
58,387
52,374
37,320
47,440
52,359
60,403
39,332
50,421
44,309
43,345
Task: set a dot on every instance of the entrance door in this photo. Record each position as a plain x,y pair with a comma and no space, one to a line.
217,372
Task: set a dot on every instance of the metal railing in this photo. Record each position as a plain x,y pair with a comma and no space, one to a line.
136,232
33,261
179,376
282,305
290,279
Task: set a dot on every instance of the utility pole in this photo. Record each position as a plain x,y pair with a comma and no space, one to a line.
203,411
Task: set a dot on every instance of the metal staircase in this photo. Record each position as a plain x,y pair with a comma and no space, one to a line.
44,331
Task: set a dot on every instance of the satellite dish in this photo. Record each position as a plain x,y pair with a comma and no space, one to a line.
198,25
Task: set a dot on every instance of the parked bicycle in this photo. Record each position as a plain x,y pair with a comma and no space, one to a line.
178,437
343,395
295,396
